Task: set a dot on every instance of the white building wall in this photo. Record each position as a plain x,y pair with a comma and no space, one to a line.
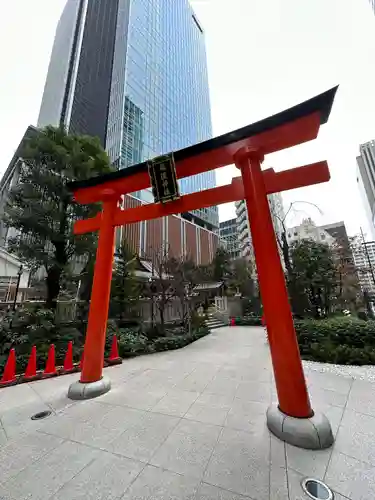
362,264
308,230
243,228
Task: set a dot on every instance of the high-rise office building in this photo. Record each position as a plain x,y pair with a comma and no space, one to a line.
229,237
133,73
366,181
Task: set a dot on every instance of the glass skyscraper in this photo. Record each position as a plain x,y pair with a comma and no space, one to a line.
133,73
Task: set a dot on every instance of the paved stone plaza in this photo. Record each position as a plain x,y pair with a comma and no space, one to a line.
183,425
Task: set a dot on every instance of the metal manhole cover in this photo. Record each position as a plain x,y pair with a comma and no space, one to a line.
316,489
41,415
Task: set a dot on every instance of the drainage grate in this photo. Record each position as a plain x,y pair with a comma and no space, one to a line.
316,489
41,415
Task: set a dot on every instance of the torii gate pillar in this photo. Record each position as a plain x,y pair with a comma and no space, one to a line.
292,419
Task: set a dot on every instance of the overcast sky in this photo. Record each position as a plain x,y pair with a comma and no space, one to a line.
263,56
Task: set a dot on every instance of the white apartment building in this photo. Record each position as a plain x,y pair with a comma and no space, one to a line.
243,230
364,259
308,230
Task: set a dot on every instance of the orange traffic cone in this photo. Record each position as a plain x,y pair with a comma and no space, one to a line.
30,373
50,368
9,375
68,361
114,358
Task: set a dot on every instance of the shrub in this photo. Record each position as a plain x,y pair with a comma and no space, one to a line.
347,341
249,321
31,325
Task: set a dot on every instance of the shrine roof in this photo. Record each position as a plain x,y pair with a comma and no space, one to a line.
288,128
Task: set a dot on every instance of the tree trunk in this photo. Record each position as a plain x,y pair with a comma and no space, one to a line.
53,286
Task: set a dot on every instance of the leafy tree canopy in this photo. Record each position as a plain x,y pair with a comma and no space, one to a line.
41,209
315,271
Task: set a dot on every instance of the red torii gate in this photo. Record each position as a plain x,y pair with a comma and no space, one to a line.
246,148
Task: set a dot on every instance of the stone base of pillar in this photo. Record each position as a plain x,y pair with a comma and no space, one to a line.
313,433
88,390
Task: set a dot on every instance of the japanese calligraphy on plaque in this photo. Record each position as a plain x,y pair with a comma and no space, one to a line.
162,171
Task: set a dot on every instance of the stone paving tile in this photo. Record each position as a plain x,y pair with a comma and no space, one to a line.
350,477
246,415
221,386
18,395
176,402
106,478
210,408
209,492
246,373
143,399
328,381
356,444
320,396
278,452
144,437
254,391
188,448
18,454
362,397
278,483
18,421
353,421
312,463
159,484
240,463
3,437
43,478
194,382
105,426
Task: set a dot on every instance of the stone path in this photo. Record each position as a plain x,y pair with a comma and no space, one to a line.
186,425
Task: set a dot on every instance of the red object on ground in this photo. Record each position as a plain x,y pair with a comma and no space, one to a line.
9,374
114,357
50,368
30,372
68,361
232,322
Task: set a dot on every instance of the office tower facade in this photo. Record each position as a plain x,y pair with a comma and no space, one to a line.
229,237
366,182
134,74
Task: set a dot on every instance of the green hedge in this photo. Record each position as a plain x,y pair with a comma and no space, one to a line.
343,341
133,342
340,340
248,321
